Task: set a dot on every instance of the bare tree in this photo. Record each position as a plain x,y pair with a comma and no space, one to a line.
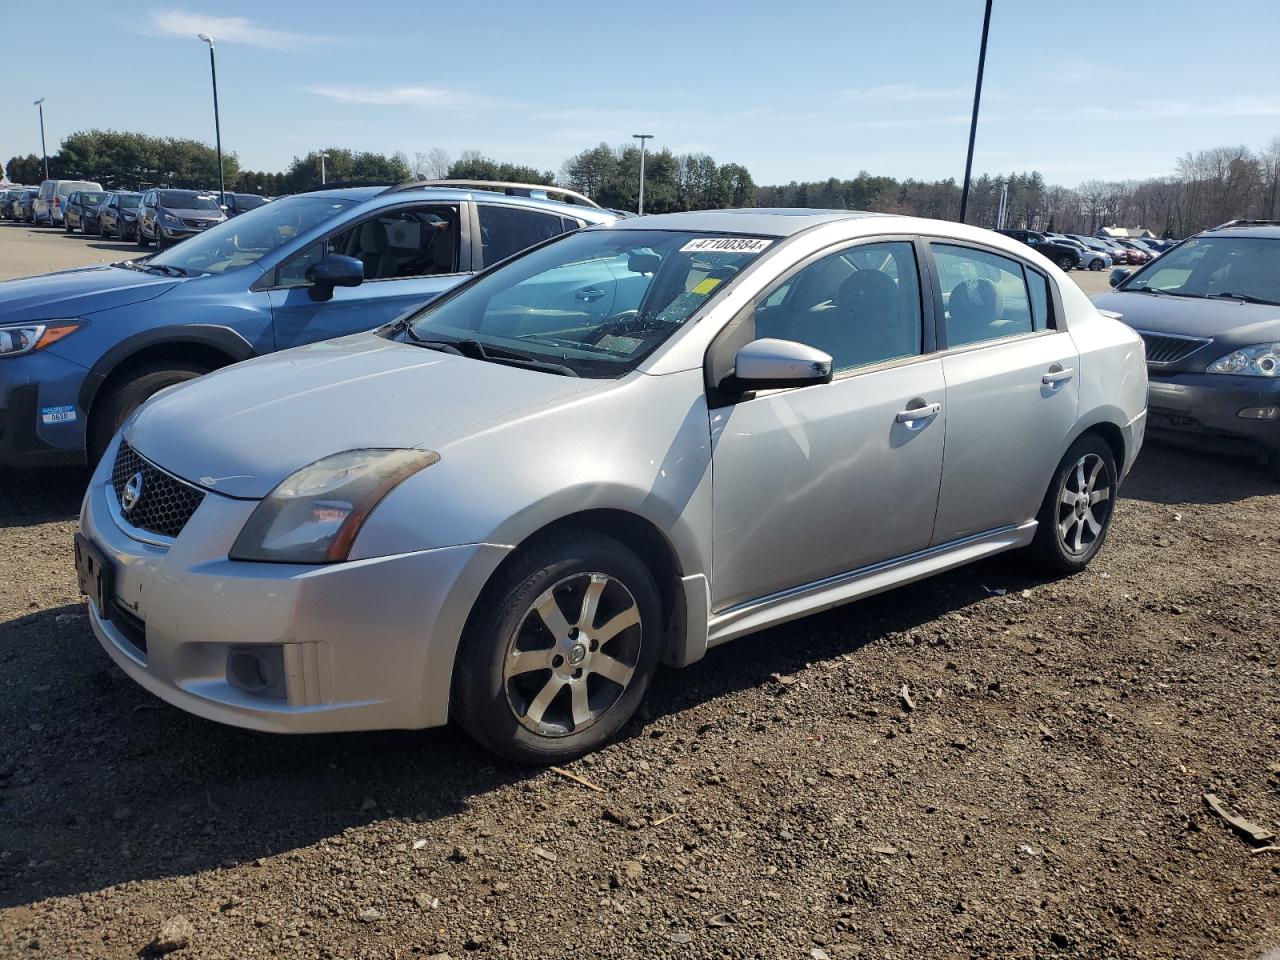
438,164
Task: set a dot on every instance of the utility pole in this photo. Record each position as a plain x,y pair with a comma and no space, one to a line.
217,124
973,124
323,158
39,104
642,137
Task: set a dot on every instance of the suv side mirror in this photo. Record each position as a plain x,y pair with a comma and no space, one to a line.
770,364
1119,275
335,270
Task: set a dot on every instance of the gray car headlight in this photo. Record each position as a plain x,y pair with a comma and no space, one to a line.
1260,360
314,514
28,337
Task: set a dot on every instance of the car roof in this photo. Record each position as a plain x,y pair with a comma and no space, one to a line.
762,221
1270,231
363,194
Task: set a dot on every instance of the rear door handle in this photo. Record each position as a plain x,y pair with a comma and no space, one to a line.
923,412
1060,375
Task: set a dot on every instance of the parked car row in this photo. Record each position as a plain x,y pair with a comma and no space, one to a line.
160,216
1073,251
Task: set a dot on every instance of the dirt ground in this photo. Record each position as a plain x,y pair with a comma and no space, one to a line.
1042,797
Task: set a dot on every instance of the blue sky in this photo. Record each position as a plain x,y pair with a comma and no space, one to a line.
796,90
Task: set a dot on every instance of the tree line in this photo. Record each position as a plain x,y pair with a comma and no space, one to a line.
1207,186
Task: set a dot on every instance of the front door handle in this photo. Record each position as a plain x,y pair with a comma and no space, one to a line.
1058,374
922,412
589,294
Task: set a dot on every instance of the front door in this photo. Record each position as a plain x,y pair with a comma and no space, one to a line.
410,254
1012,389
822,480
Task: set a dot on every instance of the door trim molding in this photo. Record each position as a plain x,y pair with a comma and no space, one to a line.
810,598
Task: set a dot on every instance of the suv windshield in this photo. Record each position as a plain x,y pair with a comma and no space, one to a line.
187,200
247,238
247,201
1247,268
92,199
130,202
593,303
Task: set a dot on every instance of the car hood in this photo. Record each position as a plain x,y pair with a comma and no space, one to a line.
1227,320
78,293
243,429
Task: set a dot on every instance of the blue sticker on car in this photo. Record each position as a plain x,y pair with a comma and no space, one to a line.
63,414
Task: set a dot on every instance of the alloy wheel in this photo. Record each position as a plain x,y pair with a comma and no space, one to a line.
1084,504
563,671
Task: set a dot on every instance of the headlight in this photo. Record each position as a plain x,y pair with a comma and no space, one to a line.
29,337
313,516
170,218
1260,360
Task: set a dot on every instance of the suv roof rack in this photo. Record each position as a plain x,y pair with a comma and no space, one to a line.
1247,223
344,184
559,194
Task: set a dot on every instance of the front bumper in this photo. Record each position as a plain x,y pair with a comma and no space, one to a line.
364,645
41,423
1206,407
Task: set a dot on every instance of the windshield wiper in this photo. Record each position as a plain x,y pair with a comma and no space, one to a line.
1242,297
475,350
165,268
1161,293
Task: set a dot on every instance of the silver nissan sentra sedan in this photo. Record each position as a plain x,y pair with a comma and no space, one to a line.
622,447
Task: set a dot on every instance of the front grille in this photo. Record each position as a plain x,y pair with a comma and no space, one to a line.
197,224
164,503
1164,349
130,625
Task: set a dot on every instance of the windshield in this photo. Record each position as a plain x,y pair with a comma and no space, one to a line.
247,201
595,302
130,202
92,199
247,238
188,200
1247,268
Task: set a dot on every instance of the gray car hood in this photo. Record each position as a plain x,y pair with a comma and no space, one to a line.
193,214
243,429
1228,320
77,293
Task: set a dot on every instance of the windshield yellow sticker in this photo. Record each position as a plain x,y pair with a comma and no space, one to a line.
726,245
706,286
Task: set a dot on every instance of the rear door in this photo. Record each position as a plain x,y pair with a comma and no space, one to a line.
1012,390
411,254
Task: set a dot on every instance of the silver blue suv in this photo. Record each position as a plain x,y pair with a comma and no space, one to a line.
81,349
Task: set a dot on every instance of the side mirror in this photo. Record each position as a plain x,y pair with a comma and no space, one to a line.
335,270
1119,275
770,364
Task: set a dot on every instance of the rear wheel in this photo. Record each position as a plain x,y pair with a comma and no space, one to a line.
1096,264
1065,262
1076,513
136,387
560,649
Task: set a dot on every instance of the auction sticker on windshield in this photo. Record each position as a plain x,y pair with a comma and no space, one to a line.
726,245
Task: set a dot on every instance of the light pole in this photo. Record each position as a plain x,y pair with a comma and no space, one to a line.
973,124
217,124
39,104
642,137
323,158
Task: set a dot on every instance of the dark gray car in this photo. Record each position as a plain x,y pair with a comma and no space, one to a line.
168,216
1209,313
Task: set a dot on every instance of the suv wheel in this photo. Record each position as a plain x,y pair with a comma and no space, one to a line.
140,385
1076,514
66,225
1065,262
560,649
139,238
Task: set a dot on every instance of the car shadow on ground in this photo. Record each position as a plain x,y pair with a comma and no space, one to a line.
121,246
103,783
41,495
1170,472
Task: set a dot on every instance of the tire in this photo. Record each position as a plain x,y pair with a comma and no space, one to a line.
1065,263
1096,264
159,238
142,383
1070,533
102,230
66,226
140,239
498,704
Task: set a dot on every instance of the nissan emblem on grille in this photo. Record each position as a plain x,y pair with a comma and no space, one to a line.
132,491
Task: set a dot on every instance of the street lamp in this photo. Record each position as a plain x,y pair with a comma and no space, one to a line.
642,137
973,123
39,104
217,124
323,158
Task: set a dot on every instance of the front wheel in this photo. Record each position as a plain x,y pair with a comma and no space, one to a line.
1076,513
1096,264
559,650
140,239
139,386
